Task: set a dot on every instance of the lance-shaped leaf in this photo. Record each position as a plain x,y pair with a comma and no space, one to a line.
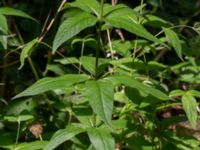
129,23
175,41
73,26
190,106
3,31
36,145
63,135
52,83
131,82
101,96
26,51
101,139
14,12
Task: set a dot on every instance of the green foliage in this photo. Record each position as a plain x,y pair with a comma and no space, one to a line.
111,80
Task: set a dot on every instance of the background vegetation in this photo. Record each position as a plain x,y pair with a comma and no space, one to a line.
104,75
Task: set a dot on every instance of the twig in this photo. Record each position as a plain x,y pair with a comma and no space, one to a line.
52,21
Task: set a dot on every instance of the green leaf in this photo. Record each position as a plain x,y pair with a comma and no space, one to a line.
3,31
3,24
26,51
101,139
108,8
63,135
190,106
68,60
52,83
131,82
194,93
101,96
14,12
175,93
89,64
91,6
130,24
36,145
18,118
72,27
4,41
174,40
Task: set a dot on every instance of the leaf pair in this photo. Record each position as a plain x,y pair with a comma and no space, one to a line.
114,16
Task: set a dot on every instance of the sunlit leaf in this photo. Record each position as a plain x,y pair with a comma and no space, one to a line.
131,82
14,12
101,97
101,139
26,51
71,27
190,107
175,41
88,6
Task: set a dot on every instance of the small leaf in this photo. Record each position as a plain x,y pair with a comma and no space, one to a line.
89,64
3,31
26,51
101,139
68,60
175,41
194,93
3,24
18,118
175,93
131,82
4,41
101,97
190,107
14,12
73,26
52,83
63,135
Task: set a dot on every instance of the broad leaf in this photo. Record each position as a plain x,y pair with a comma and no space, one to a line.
190,106
101,139
14,12
130,24
91,6
52,83
101,96
131,82
73,26
26,51
36,145
175,41
63,135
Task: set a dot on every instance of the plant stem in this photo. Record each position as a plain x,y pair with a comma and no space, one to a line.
99,39
82,51
18,130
